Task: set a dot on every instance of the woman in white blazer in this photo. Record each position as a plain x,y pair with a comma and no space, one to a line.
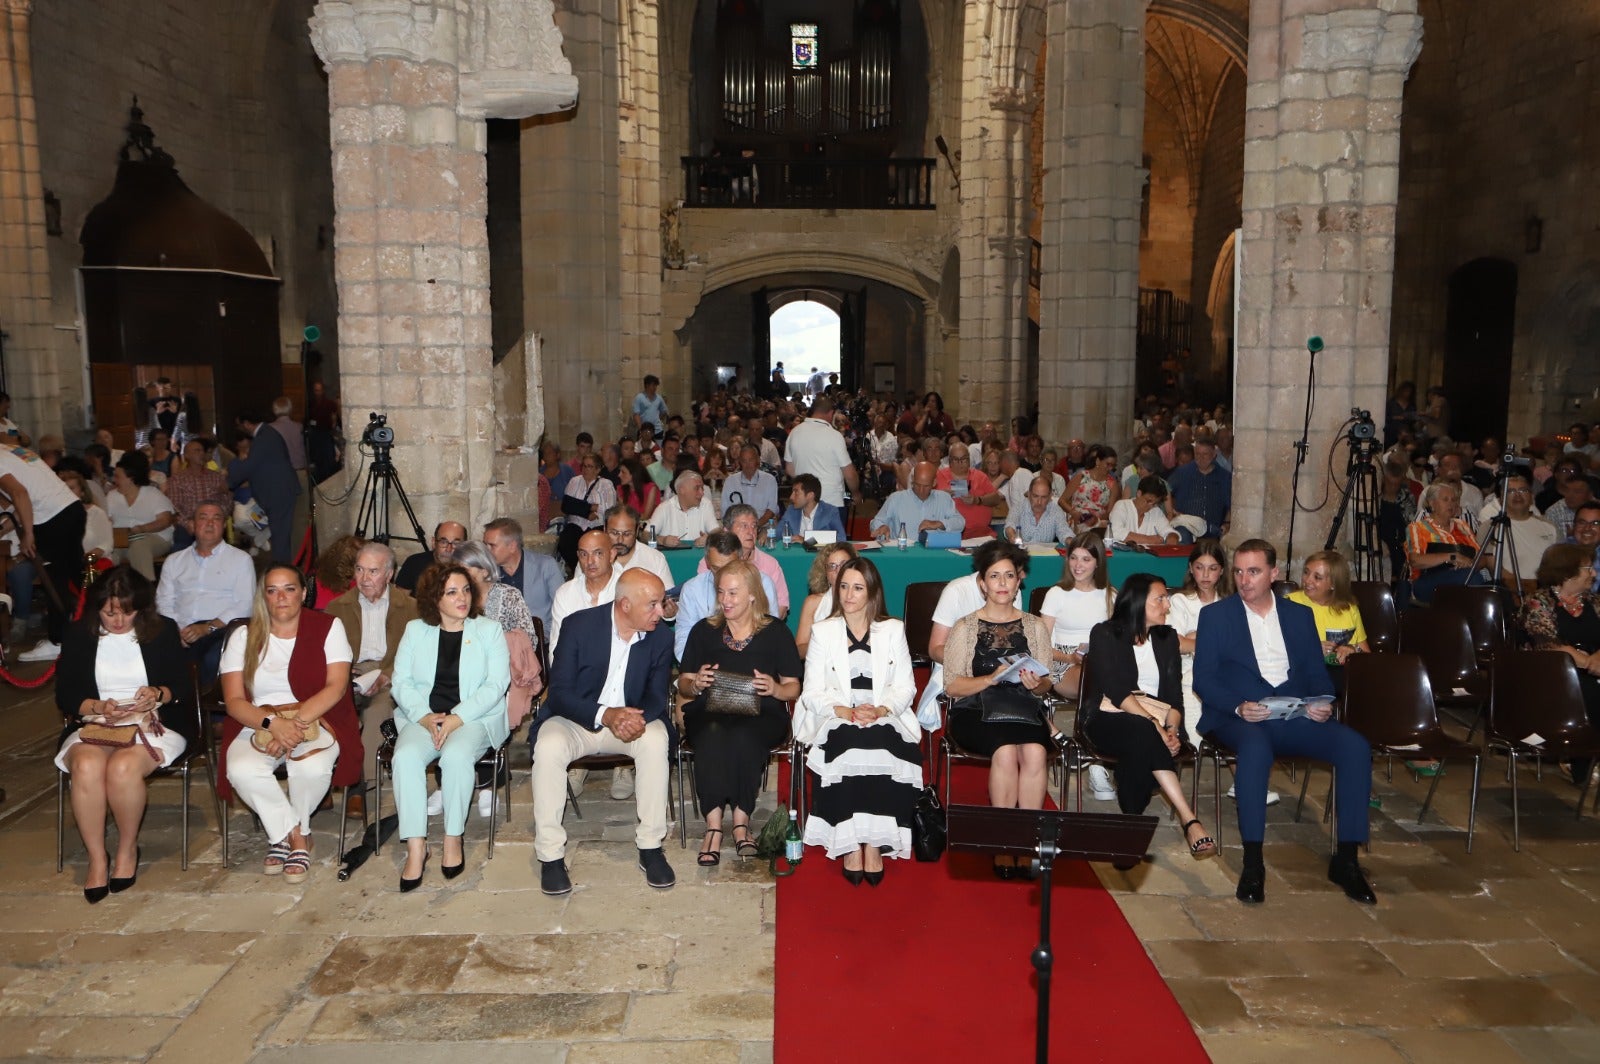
856,717
451,673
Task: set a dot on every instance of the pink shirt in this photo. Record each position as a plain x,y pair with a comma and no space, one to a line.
978,483
768,566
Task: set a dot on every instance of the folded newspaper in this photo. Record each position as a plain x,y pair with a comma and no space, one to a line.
1282,707
1015,664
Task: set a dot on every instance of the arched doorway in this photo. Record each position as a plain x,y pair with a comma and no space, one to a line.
1479,326
805,339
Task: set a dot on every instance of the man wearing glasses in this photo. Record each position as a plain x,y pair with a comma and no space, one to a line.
974,494
1586,533
446,538
1527,535
622,525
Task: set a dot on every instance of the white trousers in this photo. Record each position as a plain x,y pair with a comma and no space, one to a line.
250,773
561,742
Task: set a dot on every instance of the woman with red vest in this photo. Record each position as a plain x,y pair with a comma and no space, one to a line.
286,679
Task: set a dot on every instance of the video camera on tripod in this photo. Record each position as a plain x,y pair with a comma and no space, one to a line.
1362,435
378,435
382,479
1359,496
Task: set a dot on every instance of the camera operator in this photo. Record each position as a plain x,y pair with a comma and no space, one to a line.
273,481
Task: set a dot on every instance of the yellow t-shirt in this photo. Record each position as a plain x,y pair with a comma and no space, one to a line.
1332,619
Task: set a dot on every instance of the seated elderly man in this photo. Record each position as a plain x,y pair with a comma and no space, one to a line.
753,486
608,695
741,521
697,598
374,614
446,538
687,516
203,587
536,575
1039,521
594,583
919,508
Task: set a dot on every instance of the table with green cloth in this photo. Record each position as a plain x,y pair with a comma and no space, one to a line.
917,564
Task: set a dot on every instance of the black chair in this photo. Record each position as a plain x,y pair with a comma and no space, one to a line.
1379,616
788,750
1444,641
1536,692
201,749
1389,700
1488,612
921,600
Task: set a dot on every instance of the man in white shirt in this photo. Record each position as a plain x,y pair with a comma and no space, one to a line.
816,447
918,509
50,521
622,525
687,516
1143,518
594,583
1016,481
203,587
1527,534
771,457
752,486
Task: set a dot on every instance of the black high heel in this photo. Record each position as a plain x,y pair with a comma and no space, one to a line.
95,895
119,884
873,878
408,885
452,870
853,876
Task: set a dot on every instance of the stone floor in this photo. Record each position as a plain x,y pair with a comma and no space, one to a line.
1491,956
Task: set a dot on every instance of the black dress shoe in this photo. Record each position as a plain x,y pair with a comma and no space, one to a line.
409,885
1347,875
852,876
95,895
1252,886
657,873
119,884
553,878
873,878
452,870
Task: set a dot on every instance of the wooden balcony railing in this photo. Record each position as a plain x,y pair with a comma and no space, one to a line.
814,184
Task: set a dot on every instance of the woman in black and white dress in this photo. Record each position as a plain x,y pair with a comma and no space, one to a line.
856,715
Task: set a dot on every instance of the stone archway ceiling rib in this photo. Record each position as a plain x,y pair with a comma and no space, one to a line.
1015,31
1230,31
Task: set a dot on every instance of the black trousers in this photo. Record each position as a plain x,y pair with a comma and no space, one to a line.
1135,741
59,542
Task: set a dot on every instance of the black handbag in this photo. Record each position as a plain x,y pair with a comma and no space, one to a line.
733,694
1008,703
927,826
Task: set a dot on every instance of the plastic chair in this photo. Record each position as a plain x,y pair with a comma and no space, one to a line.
1389,700
1444,641
1488,612
921,600
1536,692
1379,616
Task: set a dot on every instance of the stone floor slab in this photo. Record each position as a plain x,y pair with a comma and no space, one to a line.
598,962
470,1018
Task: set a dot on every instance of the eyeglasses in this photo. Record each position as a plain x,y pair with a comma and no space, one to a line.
454,542
1589,523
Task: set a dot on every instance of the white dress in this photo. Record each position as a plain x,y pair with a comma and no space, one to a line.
118,673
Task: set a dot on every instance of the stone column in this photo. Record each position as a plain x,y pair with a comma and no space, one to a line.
1089,257
639,188
24,257
1321,161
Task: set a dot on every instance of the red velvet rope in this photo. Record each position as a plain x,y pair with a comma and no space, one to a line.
48,674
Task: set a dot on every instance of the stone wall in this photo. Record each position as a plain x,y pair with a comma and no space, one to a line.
1165,245
1216,217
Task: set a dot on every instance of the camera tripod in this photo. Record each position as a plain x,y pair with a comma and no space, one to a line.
1498,527
1361,492
382,478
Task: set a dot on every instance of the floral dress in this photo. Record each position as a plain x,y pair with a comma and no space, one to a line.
1092,498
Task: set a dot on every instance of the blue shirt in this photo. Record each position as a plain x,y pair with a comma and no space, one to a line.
697,600
1206,495
651,412
904,508
760,492
558,484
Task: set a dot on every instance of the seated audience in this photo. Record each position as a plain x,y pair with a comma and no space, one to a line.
753,486
733,729
535,574
1439,544
970,488
286,681
138,508
589,495
336,569
1564,614
697,598
622,525
1038,521
1586,534
122,665
1134,703
204,587
608,695
192,485
450,680
635,489
820,581
1089,496
1143,518
918,509
594,584
856,719
1079,601
1326,590
685,518
807,513
447,536
99,541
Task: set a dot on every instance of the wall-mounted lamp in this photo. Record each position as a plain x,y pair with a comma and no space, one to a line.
1533,234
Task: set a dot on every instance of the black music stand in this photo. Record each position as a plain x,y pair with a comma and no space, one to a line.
1047,836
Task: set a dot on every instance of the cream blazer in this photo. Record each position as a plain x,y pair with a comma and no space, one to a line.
827,680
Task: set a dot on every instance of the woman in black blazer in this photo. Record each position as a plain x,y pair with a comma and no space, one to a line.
1133,702
123,664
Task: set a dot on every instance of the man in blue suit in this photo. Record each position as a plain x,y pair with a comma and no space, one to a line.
807,512
1255,645
608,695
272,480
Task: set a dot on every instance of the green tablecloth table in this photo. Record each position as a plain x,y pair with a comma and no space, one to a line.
916,564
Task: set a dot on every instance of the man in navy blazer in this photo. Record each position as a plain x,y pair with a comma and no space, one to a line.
608,695
805,503
272,480
1254,645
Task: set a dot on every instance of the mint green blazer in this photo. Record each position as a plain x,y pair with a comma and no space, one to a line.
485,675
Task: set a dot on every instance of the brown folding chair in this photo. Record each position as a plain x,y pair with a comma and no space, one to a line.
1444,641
921,600
1389,700
1036,598
1536,692
1379,617
1488,612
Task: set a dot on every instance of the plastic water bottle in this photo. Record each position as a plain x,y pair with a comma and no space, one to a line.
793,849
903,543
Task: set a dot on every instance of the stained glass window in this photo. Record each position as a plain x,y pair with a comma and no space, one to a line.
803,45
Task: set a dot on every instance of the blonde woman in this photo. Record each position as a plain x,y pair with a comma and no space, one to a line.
820,581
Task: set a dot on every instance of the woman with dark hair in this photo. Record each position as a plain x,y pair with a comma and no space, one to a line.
857,718
1133,703
636,489
1207,580
141,512
286,682
744,643
336,568
1093,490
926,418
1081,600
1004,721
123,664
451,674
1564,614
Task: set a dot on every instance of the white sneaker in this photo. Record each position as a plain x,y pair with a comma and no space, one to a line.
1272,796
622,782
486,802
576,778
44,650
1101,789
436,803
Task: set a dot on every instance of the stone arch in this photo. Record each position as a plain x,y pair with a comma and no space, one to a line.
814,260
1219,304
1231,32
1016,35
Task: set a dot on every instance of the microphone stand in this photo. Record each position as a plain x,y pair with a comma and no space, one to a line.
1302,446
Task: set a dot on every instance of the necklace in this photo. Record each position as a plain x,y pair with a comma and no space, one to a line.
1573,606
735,644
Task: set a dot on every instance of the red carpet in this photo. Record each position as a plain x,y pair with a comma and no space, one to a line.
933,966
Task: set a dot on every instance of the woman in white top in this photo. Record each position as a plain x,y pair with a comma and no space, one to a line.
1207,581
1073,607
286,680
821,580
855,715
138,506
98,539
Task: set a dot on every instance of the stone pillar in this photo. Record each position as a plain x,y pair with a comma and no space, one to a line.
639,188
1321,177
24,258
1093,184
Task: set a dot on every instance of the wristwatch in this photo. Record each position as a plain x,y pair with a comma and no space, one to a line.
266,723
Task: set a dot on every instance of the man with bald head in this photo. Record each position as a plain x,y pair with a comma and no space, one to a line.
608,695
446,538
594,584
919,508
374,613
